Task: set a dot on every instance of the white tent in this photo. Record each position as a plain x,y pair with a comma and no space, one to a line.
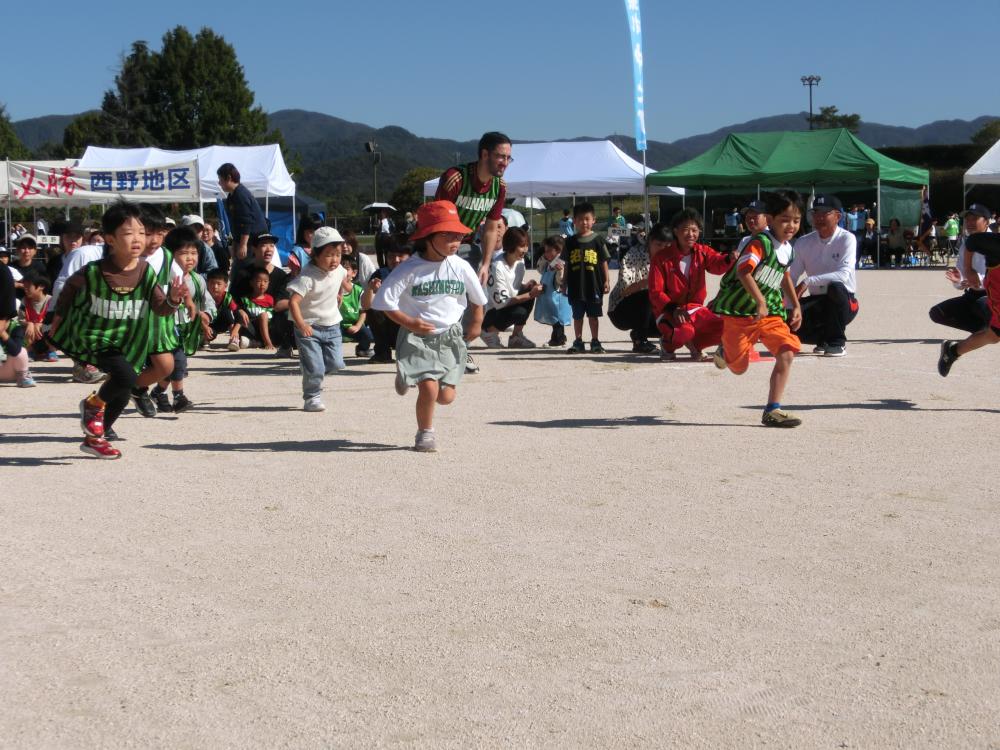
986,171
262,169
585,168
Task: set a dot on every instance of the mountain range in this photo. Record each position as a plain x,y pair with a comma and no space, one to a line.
335,166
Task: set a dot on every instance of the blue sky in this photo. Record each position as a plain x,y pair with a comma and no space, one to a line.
537,70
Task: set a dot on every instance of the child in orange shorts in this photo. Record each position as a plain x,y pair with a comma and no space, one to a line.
751,301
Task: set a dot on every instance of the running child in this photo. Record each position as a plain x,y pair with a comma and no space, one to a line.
253,314
751,302
986,244
315,310
586,256
107,316
427,296
193,320
552,308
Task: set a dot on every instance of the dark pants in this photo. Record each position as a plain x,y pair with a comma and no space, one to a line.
635,314
969,312
282,330
363,338
15,342
825,317
385,332
503,318
224,322
117,389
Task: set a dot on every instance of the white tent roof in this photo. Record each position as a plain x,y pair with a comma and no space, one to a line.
588,168
262,169
986,171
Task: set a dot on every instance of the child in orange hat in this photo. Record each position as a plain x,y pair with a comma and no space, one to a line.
427,296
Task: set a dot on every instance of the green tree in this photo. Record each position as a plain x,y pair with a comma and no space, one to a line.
829,117
10,145
190,94
988,134
409,193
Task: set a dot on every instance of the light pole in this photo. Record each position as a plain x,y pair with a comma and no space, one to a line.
810,81
372,148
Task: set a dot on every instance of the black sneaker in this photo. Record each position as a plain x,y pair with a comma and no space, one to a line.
182,403
381,359
643,347
577,347
162,401
947,357
596,348
143,403
110,435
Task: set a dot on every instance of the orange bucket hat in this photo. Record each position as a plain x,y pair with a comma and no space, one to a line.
438,216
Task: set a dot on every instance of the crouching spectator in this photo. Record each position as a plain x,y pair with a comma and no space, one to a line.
509,299
352,324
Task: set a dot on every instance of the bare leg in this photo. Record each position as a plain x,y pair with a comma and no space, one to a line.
578,328
160,367
779,375
985,337
594,325
427,395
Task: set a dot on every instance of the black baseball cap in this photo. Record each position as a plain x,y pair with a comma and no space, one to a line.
827,203
265,237
978,209
755,205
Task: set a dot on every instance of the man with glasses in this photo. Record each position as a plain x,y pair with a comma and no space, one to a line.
478,193
826,258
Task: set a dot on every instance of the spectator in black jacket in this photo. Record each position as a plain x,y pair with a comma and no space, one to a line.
245,217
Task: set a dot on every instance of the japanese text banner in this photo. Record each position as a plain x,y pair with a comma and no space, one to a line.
34,182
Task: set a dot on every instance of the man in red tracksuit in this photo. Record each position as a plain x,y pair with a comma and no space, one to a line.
677,286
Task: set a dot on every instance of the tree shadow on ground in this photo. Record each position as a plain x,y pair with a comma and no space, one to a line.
37,437
609,423
882,404
31,462
281,446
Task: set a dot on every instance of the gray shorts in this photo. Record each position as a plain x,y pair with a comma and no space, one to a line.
437,356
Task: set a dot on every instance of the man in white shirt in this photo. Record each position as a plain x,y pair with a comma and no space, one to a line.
823,266
970,311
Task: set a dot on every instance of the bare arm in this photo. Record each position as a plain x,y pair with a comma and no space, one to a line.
295,306
491,238
475,323
788,287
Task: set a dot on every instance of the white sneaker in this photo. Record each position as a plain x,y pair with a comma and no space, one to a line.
401,387
233,346
520,341
313,404
471,368
492,340
425,442
245,343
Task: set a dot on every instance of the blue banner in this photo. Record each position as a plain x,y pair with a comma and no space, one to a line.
635,29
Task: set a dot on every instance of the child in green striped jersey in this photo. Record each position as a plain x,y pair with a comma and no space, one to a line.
106,316
253,314
225,308
193,320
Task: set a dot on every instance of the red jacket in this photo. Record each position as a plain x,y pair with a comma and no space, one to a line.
669,287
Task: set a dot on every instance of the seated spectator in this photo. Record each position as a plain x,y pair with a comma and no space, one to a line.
210,236
13,357
206,257
70,238
868,243
253,314
383,328
823,270
225,307
509,299
362,260
299,256
895,245
279,324
628,304
25,258
353,325
677,286
553,308
34,310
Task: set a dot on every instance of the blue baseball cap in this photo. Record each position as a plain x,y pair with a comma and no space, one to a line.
978,209
755,205
827,203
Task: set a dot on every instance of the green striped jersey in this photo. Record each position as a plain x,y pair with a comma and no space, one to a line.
734,300
188,328
253,309
165,337
473,206
101,320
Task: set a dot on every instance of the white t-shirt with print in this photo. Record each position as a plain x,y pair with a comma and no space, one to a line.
320,290
437,293
504,283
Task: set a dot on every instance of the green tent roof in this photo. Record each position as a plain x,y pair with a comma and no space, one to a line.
817,157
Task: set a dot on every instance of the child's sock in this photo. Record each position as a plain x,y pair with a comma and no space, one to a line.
95,401
772,406
178,392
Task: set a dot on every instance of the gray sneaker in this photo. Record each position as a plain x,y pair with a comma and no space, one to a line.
401,387
314,404
471,368
425,442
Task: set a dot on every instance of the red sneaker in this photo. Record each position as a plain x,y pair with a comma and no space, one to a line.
99,448
91,420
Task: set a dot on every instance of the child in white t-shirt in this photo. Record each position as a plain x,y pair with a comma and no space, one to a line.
427,296
315,310
509,299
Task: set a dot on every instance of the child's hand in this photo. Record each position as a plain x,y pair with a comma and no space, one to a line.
306,330
607,286
244,318
351,330
795,319
681,316
422,326
953,275
178,292
762,311
268,346
536,291
374,283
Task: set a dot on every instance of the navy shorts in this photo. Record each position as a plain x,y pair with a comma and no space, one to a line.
591,308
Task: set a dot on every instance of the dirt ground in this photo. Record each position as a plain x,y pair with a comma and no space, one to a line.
607,551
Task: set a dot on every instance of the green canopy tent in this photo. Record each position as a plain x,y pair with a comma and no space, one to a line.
804,160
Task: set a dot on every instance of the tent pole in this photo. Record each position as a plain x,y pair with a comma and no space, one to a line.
878,220
645,195
704,203
531,229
